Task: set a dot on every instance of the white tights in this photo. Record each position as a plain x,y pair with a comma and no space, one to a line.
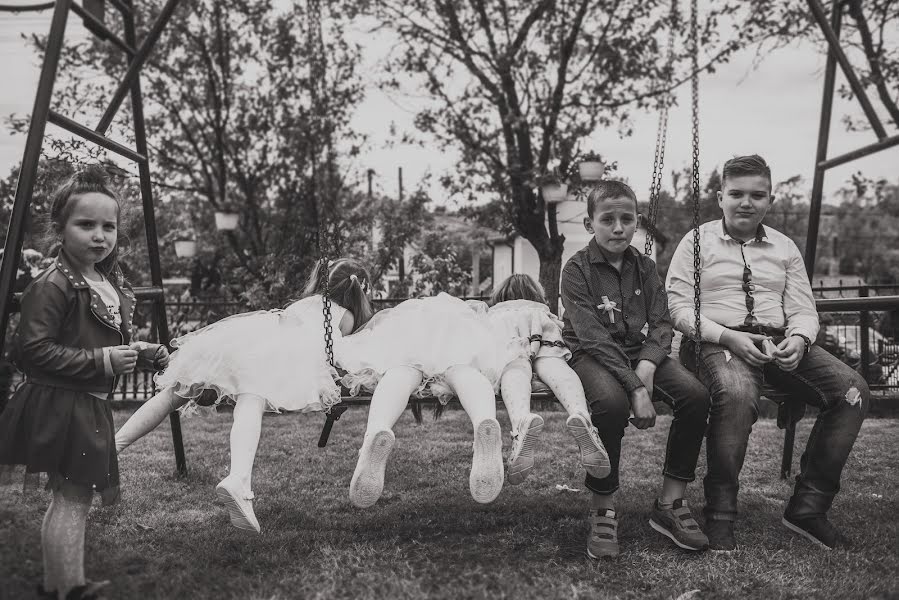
396,386
245,431
561,379
62,538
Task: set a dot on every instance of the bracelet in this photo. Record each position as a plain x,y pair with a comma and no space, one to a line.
808,342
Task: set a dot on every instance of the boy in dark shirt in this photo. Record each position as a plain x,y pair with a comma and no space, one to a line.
610,292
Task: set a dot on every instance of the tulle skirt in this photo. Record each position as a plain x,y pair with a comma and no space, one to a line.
428,334
276,355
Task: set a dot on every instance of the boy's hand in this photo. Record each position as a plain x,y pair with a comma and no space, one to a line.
743,345
123,359
646,371
644,412
789,352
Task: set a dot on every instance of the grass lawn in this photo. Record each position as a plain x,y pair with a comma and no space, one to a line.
426,537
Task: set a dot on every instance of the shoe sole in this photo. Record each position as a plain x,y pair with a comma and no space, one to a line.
601,556
597,466
239,519
804,533
367,483
671,537
518,475
486,479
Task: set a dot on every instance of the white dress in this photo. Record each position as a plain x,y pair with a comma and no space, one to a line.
278,355
429,334
525,329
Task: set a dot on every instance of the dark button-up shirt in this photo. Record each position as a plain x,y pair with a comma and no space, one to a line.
611,332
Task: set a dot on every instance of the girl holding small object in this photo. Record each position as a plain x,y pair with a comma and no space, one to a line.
530,340
72,344
272,360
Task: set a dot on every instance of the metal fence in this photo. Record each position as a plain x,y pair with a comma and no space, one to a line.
855,337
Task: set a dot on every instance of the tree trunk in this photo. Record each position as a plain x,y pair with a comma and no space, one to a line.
551,270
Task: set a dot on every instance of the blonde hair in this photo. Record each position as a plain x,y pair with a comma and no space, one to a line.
518,287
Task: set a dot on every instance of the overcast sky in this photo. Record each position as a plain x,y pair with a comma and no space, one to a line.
772,110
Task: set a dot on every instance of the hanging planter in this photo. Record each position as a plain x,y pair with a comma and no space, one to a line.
553,193
226,219
591,169
185,248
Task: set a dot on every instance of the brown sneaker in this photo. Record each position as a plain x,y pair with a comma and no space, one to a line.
603,540
678,524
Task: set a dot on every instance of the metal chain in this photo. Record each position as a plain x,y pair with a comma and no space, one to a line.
694,39
317,69
658,164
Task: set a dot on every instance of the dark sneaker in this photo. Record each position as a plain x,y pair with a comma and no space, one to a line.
721,535
818,530
678,524
603,540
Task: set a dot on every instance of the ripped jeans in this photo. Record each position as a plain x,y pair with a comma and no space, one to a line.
820,379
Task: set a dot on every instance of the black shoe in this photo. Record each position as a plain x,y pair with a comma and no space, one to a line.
817,529
721,535
89,591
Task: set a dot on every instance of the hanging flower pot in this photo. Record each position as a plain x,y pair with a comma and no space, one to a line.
226,219
591,169
553,193
185,248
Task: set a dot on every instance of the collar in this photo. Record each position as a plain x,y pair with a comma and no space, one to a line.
98,307
760,234
76,279
596,254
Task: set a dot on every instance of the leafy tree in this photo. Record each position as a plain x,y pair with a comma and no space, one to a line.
244,112
516,85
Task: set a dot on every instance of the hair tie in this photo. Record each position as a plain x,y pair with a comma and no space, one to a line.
353,277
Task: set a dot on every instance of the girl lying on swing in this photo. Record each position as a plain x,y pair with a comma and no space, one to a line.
270,360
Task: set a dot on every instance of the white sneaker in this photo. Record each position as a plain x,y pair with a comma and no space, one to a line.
239,504
521,458
486,479
593,454
367,483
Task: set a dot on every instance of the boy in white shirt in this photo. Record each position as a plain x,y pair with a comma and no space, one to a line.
757,324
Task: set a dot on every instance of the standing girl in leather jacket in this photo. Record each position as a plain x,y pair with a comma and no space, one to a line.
72,344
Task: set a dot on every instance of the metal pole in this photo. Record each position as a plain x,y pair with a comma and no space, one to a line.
146,192
830,73
864,323
833,41
30,161
137,63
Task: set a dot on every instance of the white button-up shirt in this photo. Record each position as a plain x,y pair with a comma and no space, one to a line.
783,295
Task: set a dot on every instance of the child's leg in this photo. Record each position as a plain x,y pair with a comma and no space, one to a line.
235,489
526,426
64,538
515,387
387,404
146,418
564,383
476,396
569,391
391,397
50,576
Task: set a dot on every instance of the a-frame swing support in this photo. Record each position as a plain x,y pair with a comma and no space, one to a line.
42,113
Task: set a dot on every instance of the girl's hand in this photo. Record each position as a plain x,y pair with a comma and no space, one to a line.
123,359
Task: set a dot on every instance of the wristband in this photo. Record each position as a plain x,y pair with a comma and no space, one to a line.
808,342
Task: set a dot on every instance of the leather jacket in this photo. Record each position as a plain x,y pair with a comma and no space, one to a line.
64,327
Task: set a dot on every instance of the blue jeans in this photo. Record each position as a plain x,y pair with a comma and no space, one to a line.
820,379
610,409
